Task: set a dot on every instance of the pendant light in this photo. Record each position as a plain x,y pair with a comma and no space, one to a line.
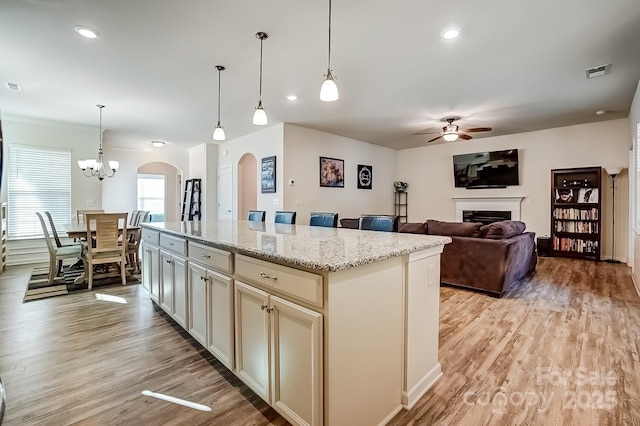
260,116
218,133
329,90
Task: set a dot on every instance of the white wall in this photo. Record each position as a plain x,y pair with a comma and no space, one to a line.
203,160
634,232
120,192
262,143
302,151
429,172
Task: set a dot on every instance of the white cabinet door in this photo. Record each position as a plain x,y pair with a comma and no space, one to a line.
220,324
197,295
151,271
252,338
296,362
179,312
166,281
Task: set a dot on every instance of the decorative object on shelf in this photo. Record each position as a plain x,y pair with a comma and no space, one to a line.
613,173
218,133
576,212
331,172
329,90
365,177
96,167
400,186
268,175
260,116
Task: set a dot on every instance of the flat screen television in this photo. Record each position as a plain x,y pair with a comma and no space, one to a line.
495,169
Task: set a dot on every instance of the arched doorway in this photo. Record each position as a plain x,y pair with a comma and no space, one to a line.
247,185
159,190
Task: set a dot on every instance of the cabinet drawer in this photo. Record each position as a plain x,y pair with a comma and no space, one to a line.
211,257
151,236
302,285
174,244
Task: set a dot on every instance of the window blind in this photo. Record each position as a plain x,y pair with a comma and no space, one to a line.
39,179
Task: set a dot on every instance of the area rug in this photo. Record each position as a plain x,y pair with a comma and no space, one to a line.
39,288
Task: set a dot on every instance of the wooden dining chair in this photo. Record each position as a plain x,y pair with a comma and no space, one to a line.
80,214
106,247
58,254
56,237
133,243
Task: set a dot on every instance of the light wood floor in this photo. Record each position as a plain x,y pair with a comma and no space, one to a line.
562,348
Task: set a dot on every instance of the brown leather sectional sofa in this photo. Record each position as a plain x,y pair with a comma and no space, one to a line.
490,258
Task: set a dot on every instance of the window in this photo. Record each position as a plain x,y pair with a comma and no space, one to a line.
151,195
39,179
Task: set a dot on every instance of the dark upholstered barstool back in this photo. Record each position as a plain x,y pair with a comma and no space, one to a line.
256,215
328,220
379,223
285,217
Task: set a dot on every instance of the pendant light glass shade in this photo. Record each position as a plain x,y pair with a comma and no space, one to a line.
218,133
329,89
260,116
450,137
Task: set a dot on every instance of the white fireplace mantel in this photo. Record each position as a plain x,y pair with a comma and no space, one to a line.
509,203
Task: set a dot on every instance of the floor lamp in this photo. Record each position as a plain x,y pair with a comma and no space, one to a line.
613,173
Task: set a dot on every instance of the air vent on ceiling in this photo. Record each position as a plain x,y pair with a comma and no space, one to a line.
14,86
598,71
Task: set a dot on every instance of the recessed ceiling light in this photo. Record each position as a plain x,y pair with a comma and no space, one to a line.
601,112
450,33
292,97
86,31
14,86
157,144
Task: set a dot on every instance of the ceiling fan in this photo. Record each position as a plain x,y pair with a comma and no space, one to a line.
452,132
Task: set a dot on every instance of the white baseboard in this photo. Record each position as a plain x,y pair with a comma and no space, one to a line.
410,397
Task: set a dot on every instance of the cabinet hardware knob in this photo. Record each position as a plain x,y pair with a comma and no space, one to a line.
269,310
205,255
263,275
170,244
168,261
263,307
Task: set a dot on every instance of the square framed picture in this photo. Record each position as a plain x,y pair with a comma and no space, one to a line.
268,175
365,177
331,172
588,195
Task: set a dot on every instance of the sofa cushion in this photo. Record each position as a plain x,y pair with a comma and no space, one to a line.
454,229
413,228
503,229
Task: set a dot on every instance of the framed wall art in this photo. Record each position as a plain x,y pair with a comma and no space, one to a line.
365,177
331,172
268,175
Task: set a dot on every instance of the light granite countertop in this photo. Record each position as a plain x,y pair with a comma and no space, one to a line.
311,247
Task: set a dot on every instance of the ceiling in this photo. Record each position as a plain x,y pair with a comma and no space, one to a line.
518,65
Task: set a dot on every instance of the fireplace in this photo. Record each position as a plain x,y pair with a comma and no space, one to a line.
485,216
498,204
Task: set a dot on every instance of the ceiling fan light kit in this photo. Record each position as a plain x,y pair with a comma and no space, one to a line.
260,116
451,132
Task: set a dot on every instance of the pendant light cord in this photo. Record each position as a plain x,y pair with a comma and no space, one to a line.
261,69
329,58
219,70
101,106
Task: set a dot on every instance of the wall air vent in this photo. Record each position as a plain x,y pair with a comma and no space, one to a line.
598,71
14,86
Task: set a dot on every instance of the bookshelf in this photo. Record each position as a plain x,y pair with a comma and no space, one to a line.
576,212
192,200
401,206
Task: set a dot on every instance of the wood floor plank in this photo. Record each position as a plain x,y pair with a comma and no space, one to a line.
526,359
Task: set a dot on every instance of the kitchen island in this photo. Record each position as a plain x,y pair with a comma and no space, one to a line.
328,325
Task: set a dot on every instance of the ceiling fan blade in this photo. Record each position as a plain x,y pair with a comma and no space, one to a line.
465,137
425,133
478,129
434,139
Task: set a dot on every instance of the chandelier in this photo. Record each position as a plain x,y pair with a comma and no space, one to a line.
92,167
